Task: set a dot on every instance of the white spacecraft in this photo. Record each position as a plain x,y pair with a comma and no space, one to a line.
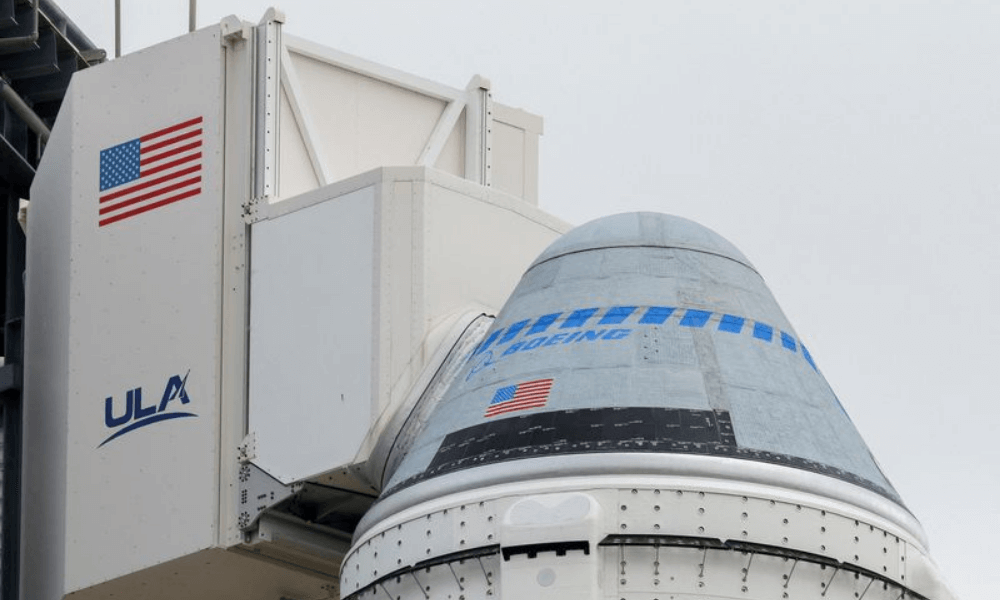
640,421
297,329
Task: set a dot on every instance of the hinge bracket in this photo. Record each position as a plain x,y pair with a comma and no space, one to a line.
259,491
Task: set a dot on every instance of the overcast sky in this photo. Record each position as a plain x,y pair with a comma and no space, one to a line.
850,149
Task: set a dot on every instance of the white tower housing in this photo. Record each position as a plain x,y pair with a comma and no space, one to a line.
237,272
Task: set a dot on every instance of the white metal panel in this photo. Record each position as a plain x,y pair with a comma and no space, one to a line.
400,284
311,335
143,323
508,141
677,536
362,122
459,256
515,152
46,349
398,243
349,115
369,69
464,233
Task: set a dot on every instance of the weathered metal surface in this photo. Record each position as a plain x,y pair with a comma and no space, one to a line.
655,333
641,421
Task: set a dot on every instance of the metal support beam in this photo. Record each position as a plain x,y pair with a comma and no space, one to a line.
14,168
24,111
70,36
479,132
367,68
442,131
118,28
293,92
268,103
25,41
41,59
10,400
11,377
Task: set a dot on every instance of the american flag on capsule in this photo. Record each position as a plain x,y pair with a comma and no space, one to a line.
530,394
151,171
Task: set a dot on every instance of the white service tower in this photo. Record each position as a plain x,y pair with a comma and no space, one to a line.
270,355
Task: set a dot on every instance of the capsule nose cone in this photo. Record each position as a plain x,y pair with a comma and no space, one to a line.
642,229
644,335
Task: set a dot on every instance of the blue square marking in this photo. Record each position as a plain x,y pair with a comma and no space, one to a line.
119,164
695,318
656,315
809,358
763,332
504,394
543,323
578,317
788,341
512,331
731,323
616,314
489,341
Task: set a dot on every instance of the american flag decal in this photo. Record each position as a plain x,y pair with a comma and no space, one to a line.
530,394
151,171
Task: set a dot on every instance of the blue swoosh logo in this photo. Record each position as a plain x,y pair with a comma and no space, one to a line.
147,421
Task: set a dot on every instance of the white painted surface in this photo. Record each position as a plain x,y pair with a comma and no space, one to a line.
350,287
46,348
340,115
145,306
142,297
311,330
490,524
515,152
362,122
466,231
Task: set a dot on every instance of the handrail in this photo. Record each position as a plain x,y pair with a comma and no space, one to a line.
24,41
24,111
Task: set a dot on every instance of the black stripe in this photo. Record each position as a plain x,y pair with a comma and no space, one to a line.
599,430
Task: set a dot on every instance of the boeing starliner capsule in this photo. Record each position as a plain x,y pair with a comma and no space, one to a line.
640,421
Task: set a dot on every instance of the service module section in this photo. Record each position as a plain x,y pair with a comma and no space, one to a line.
144,330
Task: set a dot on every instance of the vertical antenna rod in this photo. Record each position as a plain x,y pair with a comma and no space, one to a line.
118,28
192,15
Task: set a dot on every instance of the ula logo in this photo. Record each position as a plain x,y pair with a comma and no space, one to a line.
134,415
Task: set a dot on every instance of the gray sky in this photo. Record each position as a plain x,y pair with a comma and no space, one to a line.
849,148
